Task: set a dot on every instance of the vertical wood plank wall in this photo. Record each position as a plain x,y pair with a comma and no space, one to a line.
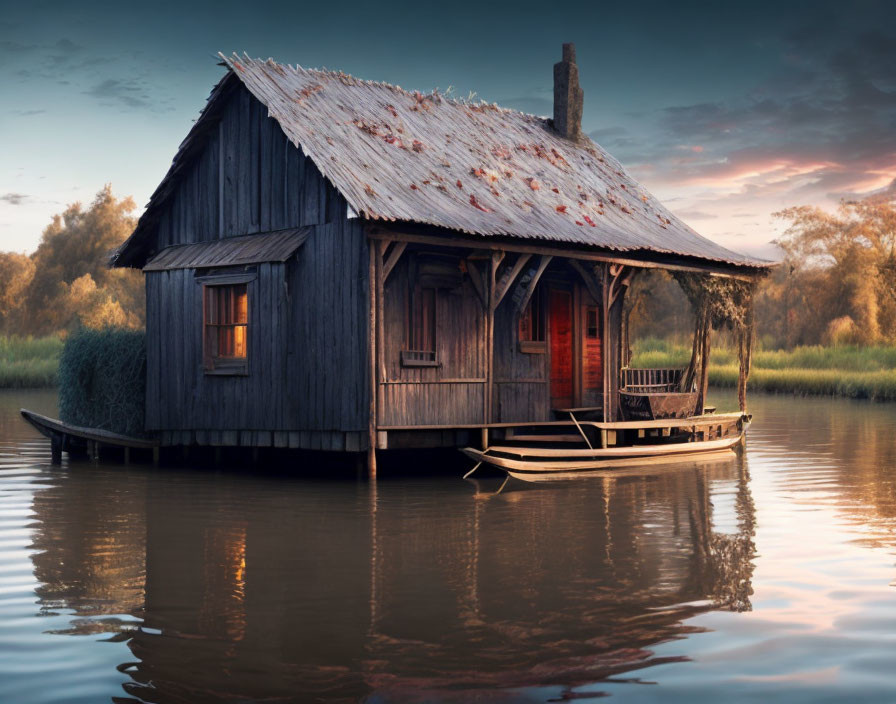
308,381
521,379
248,179
453,393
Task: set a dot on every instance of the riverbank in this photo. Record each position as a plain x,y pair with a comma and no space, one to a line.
851,372
29,362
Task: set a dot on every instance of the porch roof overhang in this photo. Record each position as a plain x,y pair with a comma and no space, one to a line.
440,237
231,251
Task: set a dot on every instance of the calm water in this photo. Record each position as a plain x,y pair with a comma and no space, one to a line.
767,576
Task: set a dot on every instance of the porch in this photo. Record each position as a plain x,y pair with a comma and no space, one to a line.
475,338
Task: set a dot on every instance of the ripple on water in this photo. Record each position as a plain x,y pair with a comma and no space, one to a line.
769,576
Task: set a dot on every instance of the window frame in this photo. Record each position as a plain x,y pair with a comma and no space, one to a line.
212,364
413,354
589,311
536,341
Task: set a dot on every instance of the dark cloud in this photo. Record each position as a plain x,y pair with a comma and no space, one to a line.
13,47
27,113
112,91
67,45
13,198
825,124
64,55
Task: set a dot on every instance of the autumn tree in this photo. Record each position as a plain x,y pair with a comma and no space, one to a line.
71,280
838,279
16,273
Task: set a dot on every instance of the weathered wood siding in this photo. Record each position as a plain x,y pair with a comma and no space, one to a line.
308,377
306,348
327,384
248,179
452,393
180,395
522,391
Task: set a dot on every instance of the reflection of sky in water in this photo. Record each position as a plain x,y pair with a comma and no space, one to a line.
769,577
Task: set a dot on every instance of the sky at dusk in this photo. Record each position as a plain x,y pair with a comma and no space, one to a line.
727,112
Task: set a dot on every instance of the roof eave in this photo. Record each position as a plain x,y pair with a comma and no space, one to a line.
130,253
649,258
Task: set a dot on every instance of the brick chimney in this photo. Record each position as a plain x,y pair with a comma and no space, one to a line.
568,96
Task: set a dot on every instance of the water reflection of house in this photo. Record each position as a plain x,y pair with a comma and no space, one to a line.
89,547
249,594
254,590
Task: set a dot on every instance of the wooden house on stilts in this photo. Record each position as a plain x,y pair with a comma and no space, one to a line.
339,264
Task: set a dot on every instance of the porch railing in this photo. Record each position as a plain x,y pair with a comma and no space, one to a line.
645,381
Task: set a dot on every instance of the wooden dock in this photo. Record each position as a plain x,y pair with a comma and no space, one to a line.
89,441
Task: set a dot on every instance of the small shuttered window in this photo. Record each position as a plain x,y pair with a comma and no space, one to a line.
532,325
421,329
591,327
226,328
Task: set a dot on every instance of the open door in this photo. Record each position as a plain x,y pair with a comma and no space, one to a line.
560,329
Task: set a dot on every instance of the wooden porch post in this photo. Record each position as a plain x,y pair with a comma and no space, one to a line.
372,356
614,278
745,354
495,262
603,271
704,366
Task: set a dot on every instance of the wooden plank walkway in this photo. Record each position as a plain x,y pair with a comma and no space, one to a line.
63,434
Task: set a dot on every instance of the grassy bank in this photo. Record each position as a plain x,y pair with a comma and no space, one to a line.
854,372
29,362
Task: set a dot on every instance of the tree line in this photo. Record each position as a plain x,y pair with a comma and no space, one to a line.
66,282
836,283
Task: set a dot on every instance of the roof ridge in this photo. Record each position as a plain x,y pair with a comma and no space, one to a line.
476,168
338,74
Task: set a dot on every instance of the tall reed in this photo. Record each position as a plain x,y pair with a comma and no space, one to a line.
29,362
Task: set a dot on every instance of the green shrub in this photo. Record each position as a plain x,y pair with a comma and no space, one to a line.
102,380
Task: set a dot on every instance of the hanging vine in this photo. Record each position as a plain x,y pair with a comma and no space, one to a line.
720,303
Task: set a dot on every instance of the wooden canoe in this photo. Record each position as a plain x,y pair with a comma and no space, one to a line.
542,464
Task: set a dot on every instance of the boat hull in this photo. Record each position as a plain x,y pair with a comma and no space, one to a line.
530,464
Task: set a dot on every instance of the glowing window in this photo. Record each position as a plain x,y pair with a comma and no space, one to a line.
226,322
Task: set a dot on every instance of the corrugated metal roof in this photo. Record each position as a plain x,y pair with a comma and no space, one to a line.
476,168
231,251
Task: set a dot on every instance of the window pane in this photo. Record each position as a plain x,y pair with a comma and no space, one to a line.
242,304
239,341
532,320
225,342
591,322
226,310
526,323
428,328
422,333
